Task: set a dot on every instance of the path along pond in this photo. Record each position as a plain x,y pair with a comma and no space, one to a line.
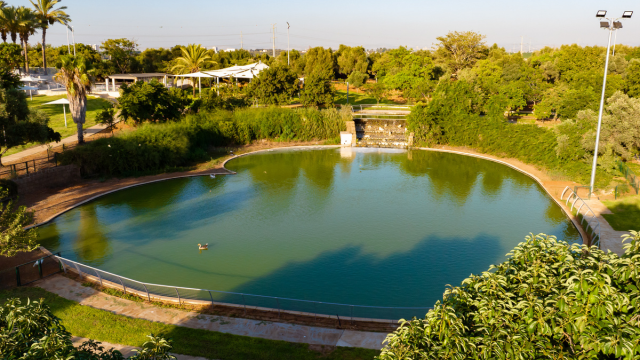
352,226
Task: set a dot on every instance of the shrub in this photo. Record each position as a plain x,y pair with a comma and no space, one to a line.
549,300
275,85
317,90
150,101
357,79
10,187
453,118
158,147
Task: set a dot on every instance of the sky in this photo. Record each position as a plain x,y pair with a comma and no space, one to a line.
329,23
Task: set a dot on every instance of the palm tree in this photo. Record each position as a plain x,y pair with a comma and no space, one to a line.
47,15
75,74
10,23
27,25
3,30
194,59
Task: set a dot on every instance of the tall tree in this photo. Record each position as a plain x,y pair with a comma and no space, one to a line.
352,59
275,85
122,52
27,25
18,124
9,20
460,50
75,75
47,15
3,30
194,59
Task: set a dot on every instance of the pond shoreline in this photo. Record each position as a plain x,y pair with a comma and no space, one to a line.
48,207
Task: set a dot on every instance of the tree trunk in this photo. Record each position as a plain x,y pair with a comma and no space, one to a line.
14,37
3,33
25,44
44,49
78,110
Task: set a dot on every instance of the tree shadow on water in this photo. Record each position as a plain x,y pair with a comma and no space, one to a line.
352,276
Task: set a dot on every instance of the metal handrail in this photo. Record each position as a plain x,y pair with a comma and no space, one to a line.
68,262
361,106
593,216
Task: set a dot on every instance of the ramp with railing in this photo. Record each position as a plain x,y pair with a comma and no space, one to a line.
585,214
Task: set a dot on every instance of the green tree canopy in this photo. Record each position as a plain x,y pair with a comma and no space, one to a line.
549,300
32,331
320,61
318,90
148,101
460,50
19,124
352,59
122,53
10,56
275,85
632,80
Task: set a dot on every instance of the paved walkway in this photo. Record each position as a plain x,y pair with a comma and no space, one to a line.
610,238
40,148
72,290
126,350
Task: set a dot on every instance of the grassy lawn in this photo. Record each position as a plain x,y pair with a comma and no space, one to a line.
357,99
104,326
626,213
56,116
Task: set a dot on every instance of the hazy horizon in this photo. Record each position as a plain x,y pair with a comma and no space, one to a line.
372,24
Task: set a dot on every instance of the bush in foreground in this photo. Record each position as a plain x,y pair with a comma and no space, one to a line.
549,300
31,331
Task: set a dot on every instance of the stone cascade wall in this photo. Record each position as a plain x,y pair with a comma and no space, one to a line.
351,128
382,133
48,178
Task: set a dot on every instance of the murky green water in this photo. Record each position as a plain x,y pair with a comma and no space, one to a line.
367,227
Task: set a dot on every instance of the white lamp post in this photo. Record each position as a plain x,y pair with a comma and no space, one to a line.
612,24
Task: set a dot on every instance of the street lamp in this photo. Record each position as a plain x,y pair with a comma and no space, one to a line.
612,25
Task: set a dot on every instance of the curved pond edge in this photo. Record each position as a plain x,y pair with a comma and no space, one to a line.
574,220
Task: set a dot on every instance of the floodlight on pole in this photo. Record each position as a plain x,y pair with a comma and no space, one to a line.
612,25
288,27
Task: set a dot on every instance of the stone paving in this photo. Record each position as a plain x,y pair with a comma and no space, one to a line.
87,296
610,238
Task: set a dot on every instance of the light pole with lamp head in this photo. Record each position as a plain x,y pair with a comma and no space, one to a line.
612,24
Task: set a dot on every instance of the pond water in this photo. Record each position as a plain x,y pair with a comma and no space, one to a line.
354,226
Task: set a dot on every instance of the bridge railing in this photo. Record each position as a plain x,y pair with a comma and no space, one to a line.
241,301
361,107
585,212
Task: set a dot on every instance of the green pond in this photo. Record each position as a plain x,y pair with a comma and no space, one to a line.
372,227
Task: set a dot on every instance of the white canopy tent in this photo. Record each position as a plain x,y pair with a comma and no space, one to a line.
198,75
237,72
62,102
30,88
29,78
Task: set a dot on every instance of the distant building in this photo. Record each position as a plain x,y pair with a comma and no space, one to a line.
215,49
